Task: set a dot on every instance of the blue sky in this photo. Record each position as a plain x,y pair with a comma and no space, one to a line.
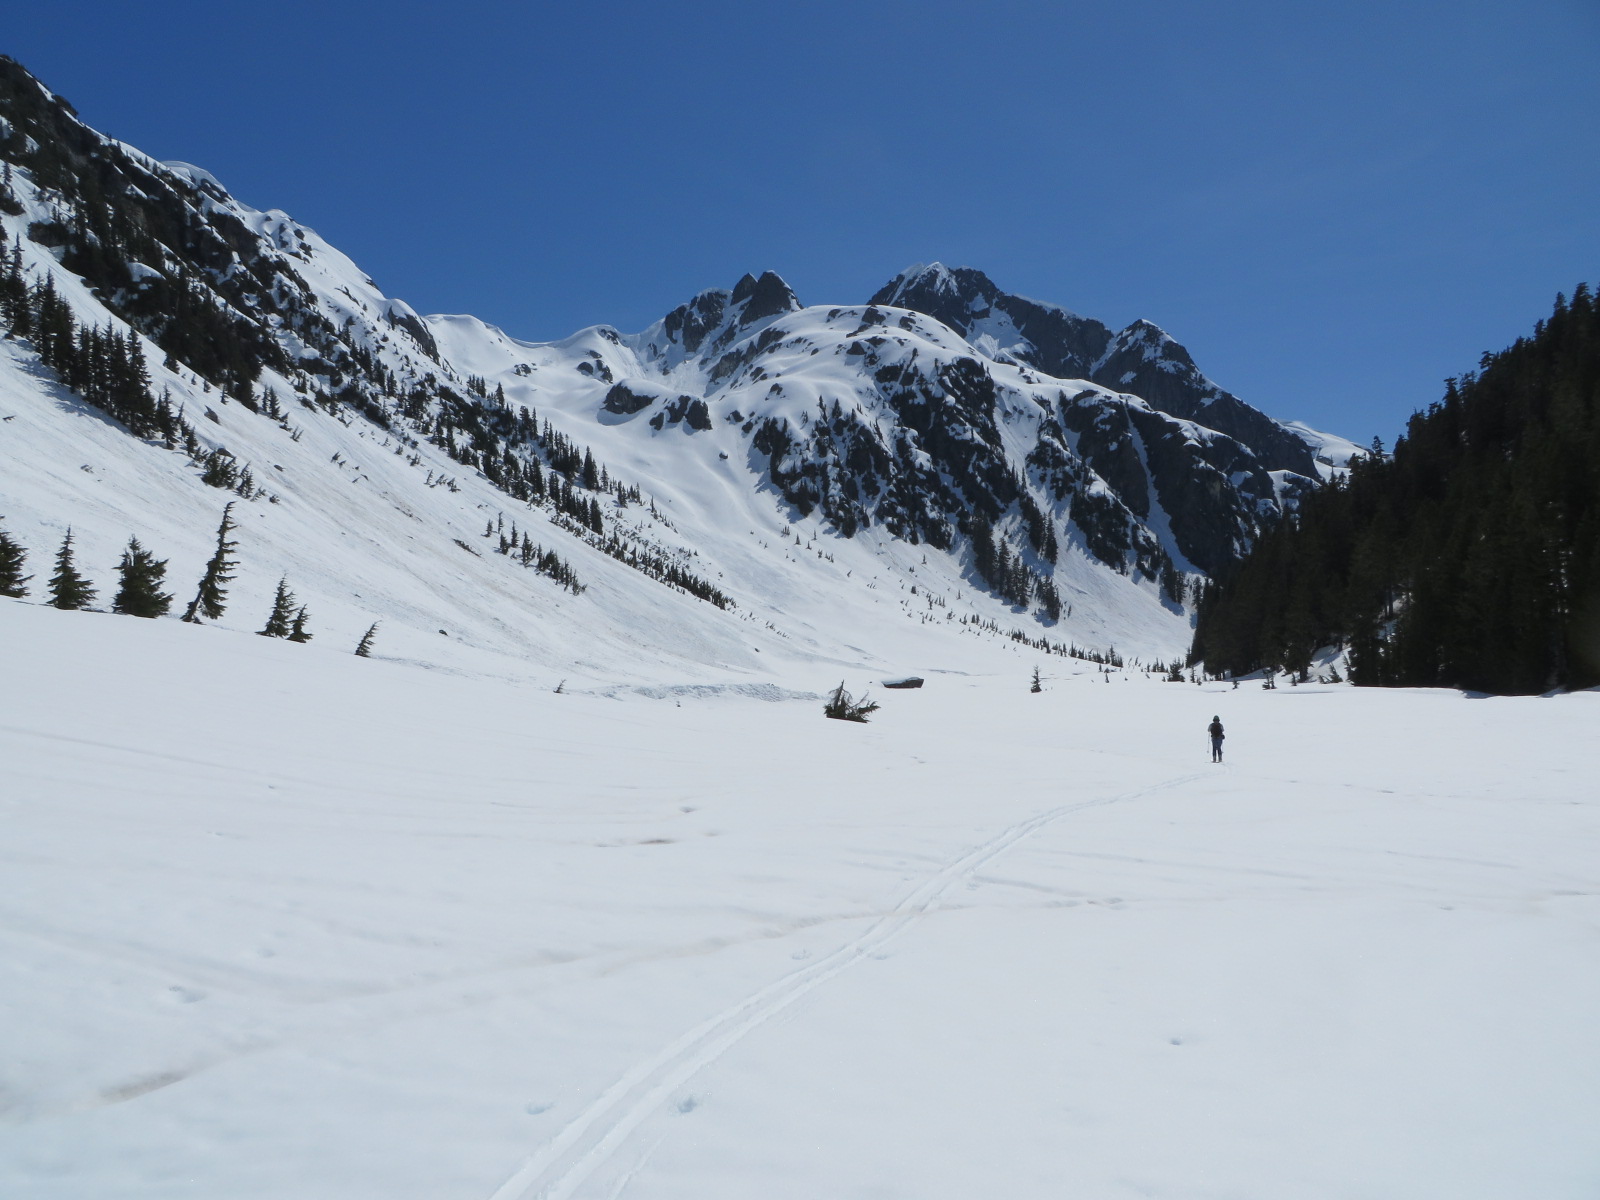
1332,206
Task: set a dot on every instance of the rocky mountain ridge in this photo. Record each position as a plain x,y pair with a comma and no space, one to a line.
918,426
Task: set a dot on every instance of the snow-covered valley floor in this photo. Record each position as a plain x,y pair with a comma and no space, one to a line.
280,922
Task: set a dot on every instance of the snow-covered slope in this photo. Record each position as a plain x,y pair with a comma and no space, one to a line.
747,480
279,924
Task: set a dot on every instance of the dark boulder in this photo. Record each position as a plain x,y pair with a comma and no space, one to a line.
623,401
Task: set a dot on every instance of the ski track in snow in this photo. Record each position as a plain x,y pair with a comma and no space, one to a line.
598,1133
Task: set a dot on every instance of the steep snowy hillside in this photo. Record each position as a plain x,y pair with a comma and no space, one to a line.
707,494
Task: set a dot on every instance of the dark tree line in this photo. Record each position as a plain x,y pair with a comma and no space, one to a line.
1107,657
661,568
103,366
1469,558
1005,572
107,368
521,547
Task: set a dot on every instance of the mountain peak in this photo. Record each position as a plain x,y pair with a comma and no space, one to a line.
768,296
688,324
753,299
957,296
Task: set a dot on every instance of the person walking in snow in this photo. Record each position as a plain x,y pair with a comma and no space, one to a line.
1215,730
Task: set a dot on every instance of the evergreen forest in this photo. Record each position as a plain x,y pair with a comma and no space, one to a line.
1467,558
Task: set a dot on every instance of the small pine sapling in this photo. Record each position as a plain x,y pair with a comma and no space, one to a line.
297,632
141,575
13,582
1037,685
68,589
211,599
364,647
280,622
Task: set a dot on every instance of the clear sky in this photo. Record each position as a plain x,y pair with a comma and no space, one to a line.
1333,206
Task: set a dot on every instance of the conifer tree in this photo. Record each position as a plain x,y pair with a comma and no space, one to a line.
142,574
13,582
297,632
210,599
842,706
68,589
281,621
364,647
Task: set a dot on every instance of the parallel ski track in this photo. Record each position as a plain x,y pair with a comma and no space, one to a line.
589,1140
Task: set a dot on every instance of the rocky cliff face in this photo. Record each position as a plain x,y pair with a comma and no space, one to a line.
929,414
1140,359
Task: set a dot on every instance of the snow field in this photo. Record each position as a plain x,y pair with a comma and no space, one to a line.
279,922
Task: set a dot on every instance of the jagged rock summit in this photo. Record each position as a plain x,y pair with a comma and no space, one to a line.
1141,359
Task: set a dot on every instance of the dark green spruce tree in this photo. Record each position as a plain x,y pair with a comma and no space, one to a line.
13,582
280,622
297,631
364,647
210,599
141,576
69,589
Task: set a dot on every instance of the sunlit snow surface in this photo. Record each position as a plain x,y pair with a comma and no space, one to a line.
280,922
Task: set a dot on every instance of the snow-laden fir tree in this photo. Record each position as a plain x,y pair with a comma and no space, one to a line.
68,589
141,575
364,647
12,557
211,599
280,623
297,631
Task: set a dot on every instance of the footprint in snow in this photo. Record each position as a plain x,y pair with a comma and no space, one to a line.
688,1104
533,1110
